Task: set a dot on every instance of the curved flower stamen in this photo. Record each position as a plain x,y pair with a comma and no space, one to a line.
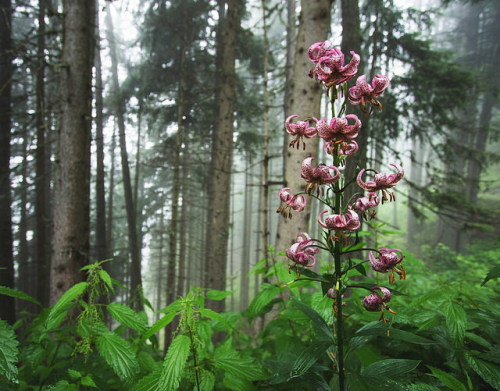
340,222
338,130
301,251
389,259
374,302
329,67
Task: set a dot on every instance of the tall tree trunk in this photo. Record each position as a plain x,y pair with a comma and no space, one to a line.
416,171
41,210
159,288
71,213
101,244
182,280
305,101
247,232
109,219
222,153
135,259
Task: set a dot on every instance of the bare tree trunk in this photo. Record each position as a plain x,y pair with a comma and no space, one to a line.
109,220
159,288
413,225
135,264
71,204
247,231
101,244
183,281
222,153
305,101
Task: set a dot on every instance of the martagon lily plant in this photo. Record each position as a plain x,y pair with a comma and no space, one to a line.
327,183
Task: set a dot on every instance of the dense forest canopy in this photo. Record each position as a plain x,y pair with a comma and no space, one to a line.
145,147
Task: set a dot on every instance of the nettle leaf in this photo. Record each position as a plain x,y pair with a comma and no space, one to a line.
455,321
103,275
208,313
493,273
159,325
149,382
214,294
8,352
447,379
64,303
119,355
127,316
488,371
174,363
237,366
306,359
88,381
6,291
390,368
207,380
319,323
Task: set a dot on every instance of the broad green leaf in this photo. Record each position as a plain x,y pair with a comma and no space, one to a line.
174,363
172,307
390,368
455,321
208,313
149,382
313,276
447,379
421,387
63,304
378,328
263,298
74,374
478,339
118,284
238,384
206,379
318,322
493,273
159,325
237,366
312,353
6,291
488,371
63,385
127,316
119,355
8,352
214,294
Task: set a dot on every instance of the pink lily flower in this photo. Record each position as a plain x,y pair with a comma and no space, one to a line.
381,181
374,302
341,222
363,93
370,200
300,252
300,130
329,67
318,176
291,201
344,149
388,260
338,130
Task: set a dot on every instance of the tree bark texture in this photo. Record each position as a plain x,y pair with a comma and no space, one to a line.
222,153
305,101
71,203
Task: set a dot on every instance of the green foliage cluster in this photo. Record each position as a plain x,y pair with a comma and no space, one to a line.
444,336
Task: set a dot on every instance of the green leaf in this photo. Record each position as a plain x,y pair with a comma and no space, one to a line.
174,363
493,273
378,328
64,303
208,313
149,382
313,276
319,323
447,379
158,325
74,374
214,294
488,371
88,381
263,298
6,291
207,380
127,316
390,368
306,359
172,307
360,268
119,354
103,275
421,387
235,365
8,352
455,321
